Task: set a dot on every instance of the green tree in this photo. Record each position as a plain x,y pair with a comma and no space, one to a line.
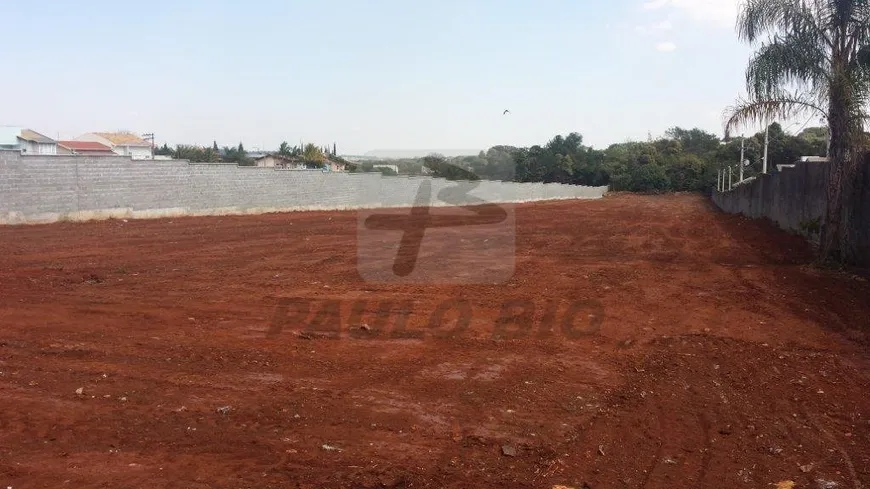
164,150
365,166
636,167
694,141
817,139
284,149
230,155
687,172
589,168
212,155
813,57
563,159
501,163
442,168
313,154
196,154
650,178
242,157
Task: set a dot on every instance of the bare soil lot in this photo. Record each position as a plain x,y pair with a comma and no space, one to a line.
723,359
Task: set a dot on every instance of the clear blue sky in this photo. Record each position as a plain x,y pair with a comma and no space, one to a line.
382,74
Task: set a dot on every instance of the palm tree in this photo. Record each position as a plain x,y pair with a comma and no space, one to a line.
813,57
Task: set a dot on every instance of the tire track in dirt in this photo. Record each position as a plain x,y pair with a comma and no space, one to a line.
843,453
648,472
180,314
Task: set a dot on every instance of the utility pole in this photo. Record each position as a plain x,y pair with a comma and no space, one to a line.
766,142
150,136
729,178
741,158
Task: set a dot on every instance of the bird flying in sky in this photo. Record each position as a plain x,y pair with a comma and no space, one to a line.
506,112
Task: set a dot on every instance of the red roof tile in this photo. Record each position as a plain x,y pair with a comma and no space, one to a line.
84,146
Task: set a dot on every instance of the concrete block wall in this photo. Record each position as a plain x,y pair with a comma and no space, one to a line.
51,188
796,197
790,198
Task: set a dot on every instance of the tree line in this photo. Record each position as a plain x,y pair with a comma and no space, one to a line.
681,160
312,155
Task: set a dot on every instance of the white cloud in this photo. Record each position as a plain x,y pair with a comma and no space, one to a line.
721,12
660,27
655,4
666,47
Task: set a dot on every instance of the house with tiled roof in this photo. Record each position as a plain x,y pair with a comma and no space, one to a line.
332,165
280,161
85,148
28,141
274,160
121,143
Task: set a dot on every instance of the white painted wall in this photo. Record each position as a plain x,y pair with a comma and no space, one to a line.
267,162
32,148
138,152
333,166
27,147
47,148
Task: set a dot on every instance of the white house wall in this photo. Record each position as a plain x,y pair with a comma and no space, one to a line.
46,149
28,147
138,153
34,148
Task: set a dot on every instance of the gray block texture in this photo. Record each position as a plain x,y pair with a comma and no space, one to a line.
38,189
795,198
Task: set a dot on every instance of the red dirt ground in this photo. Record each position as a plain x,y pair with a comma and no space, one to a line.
724,359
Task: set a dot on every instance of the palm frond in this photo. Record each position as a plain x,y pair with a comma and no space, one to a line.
859,36
761,17
792,59
780,106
